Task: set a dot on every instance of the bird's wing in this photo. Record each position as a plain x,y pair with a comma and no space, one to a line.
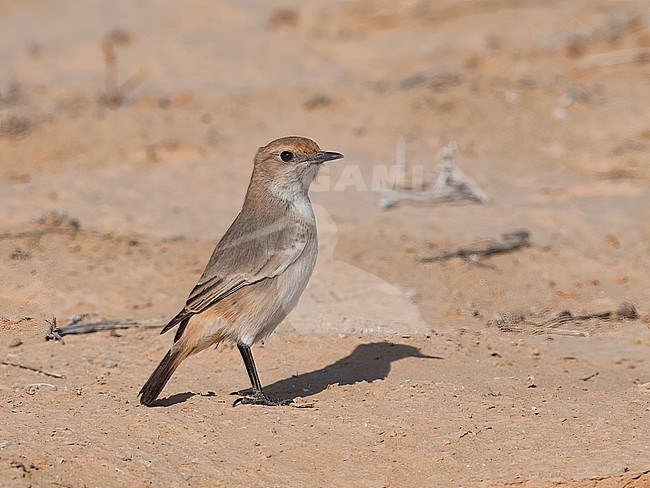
217,287
242,258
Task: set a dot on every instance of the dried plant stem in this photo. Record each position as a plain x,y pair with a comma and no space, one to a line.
451,184
510,242
32,368
56,333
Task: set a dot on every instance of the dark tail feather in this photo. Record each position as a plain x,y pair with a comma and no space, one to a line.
160,377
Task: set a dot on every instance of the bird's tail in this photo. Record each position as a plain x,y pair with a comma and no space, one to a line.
160,376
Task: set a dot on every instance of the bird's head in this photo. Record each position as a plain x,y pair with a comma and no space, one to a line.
288,165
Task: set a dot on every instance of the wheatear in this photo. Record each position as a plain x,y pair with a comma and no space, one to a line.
258,270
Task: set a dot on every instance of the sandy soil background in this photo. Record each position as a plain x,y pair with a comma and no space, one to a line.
114,193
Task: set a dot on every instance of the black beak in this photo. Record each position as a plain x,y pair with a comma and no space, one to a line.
324,156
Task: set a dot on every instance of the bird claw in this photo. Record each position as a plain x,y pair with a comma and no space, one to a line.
256,397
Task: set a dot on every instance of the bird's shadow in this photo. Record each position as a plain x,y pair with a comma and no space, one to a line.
178,398
368,362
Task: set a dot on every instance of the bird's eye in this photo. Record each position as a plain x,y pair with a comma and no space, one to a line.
286,156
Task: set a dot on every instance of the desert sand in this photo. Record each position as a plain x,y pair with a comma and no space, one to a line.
127,132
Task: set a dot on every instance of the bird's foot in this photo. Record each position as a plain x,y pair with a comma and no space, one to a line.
256,397
244,393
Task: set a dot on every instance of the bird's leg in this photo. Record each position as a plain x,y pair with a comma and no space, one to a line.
254,395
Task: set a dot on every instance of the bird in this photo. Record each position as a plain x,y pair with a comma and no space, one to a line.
257,271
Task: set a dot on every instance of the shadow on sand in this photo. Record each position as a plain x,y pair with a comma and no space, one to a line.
368,362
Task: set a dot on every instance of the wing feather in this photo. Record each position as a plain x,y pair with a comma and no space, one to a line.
242,258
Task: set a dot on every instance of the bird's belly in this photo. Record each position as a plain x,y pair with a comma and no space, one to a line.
289,287
293,281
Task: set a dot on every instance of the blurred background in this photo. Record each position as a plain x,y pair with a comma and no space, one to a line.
134,124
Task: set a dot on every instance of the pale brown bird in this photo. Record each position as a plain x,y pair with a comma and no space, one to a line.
258,270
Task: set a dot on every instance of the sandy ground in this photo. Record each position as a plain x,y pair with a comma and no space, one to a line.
408,373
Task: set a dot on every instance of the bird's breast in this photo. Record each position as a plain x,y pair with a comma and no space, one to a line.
290,284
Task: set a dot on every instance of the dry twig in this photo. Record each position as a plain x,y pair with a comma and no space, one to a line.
116,93
57,333
624,311
451,185
512,321
510,242
52,333
32,368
